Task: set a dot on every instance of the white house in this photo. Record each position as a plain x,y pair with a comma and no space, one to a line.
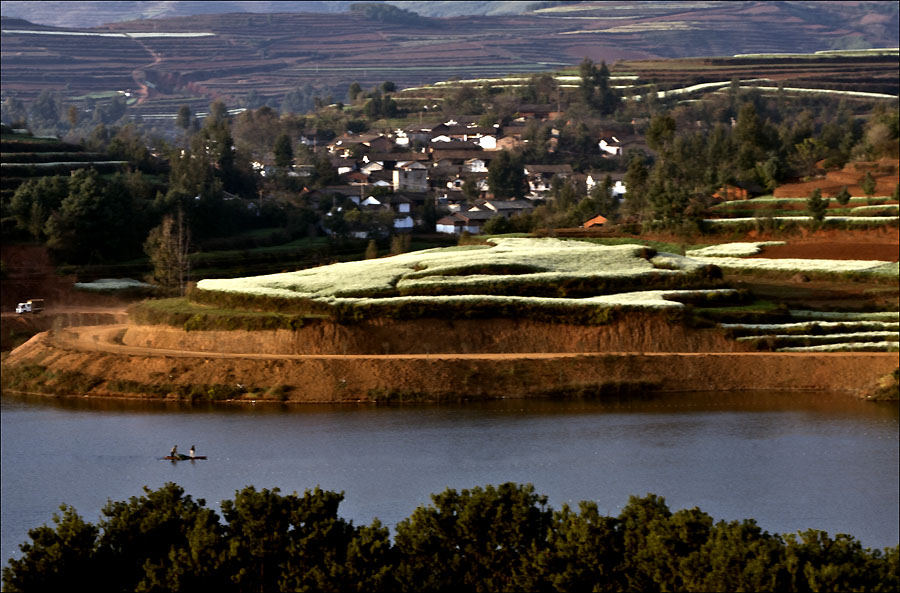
476,165
410,176
488,142
618,189
612,146
460,222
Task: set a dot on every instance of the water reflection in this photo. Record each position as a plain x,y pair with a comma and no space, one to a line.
792,461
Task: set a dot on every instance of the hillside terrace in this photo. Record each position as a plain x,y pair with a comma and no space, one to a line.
227,56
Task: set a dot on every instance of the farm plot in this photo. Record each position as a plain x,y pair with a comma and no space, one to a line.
817,336
511,274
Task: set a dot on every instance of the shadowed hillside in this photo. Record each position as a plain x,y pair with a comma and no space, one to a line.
231,55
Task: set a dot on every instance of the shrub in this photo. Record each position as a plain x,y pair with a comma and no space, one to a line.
843,197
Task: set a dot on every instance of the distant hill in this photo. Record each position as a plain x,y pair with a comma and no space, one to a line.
872,18
96,13
161,62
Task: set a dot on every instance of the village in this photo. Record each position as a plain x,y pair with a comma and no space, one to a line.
406,171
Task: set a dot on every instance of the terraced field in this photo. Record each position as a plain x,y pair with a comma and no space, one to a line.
231,55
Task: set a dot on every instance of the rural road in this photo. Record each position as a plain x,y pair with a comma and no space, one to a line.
105,338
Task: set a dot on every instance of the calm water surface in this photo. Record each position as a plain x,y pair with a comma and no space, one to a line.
791,461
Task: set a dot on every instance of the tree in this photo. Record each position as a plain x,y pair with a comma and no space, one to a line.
284,153
90,222
668,193
636,187
429,213
843,196
594,87
298,543
34,200
58,559
601,198
506,176
44,111
161,541
218,113
868,184
473,540
168,246
501,538
128,144
354,91
325,173
806,155
816,205
497,225
583,553
661,131
183,117
737,556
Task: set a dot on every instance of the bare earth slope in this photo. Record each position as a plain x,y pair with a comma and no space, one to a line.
203,360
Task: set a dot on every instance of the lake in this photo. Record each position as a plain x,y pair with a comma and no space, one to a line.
792,461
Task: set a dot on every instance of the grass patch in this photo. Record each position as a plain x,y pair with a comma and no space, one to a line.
44,380
184,314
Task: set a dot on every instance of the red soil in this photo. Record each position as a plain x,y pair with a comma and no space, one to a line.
885,172
832,250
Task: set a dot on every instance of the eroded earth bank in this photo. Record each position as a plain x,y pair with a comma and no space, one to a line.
421,360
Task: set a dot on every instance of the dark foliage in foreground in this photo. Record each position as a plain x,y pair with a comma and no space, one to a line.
502,538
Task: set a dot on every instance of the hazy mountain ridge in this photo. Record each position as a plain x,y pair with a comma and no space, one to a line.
269,55
92,13
95,14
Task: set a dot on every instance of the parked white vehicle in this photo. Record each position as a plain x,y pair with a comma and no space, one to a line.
30,306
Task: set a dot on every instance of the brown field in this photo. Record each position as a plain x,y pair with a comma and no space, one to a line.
885,172
276,53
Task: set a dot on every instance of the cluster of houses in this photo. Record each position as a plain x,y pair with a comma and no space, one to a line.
420,163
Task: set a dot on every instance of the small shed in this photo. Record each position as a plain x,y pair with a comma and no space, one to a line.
597,221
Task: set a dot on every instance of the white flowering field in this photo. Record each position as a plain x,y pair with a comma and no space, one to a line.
543,277
808,326
894,208
848,347
870,332
874,268
830,338
514,269
849,220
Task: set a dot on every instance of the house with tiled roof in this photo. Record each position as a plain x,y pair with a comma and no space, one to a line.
540,177
504,208
410,176
471,221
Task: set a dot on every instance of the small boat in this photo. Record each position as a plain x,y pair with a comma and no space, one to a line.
183,457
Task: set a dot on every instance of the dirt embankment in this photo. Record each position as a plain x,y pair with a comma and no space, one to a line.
631,333
103,354
15,326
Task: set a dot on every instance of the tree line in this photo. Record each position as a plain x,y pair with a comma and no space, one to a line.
496,538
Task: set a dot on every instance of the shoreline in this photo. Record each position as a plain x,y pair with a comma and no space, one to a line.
52,365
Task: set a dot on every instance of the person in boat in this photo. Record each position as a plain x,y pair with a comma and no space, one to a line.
174,451
191,452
